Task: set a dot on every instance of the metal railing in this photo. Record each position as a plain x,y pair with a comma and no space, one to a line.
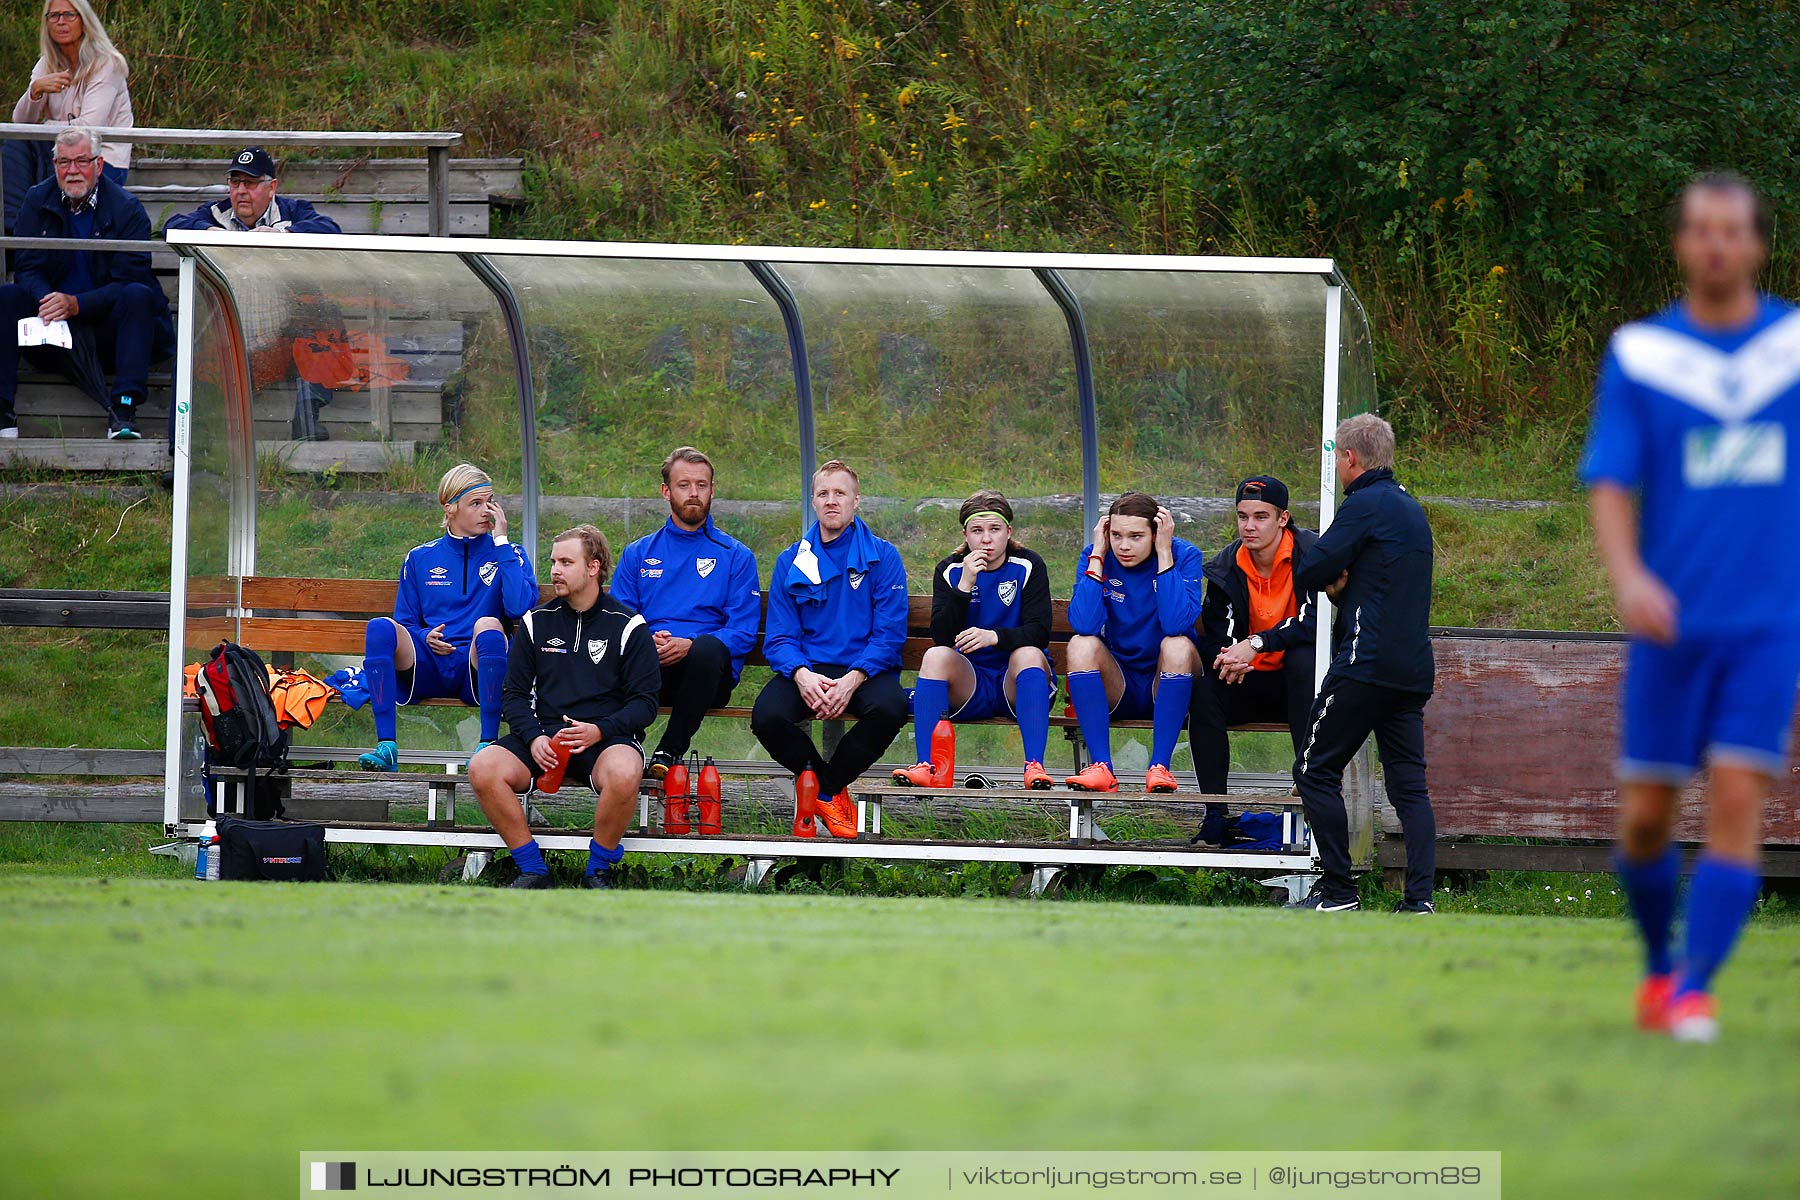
436,146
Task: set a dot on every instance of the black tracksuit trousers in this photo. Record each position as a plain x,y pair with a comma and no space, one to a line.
700,681
1344,714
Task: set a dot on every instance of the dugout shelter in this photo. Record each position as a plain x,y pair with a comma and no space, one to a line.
567,369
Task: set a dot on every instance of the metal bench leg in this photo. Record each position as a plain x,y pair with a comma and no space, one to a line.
643,810
440,804
862,813
1042,878
757,870
1296,886
474,863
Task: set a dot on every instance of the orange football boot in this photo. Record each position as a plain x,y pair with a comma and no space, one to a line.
1693,1017
1653,998
1036,778
1159,779
838,814
1095,777
920,775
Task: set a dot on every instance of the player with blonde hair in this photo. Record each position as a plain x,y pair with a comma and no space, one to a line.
447,636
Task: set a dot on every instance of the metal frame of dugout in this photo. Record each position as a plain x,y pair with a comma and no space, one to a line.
198,269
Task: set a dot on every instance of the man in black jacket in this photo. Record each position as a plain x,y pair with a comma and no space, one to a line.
118,316
1257,634
581,681
1375,563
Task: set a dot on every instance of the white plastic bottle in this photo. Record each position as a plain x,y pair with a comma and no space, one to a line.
206,861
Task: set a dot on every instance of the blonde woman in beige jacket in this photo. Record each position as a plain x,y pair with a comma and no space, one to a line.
79,79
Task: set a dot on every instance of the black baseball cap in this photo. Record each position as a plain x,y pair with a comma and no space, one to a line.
1266,488
253,161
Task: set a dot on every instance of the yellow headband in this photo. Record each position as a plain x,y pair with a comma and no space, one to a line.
986,512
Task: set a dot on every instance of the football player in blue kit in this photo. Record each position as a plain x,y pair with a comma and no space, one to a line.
696,587
1696,426
990,629
446,637
835,629
1138,595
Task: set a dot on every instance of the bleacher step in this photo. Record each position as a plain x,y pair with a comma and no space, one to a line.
497,180
152,454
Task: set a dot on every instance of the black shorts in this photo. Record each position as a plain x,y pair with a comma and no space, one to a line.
581,766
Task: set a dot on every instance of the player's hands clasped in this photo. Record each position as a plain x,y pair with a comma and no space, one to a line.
971,640
1234,663
670,649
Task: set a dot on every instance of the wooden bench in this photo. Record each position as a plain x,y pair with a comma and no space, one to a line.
290,615
328,616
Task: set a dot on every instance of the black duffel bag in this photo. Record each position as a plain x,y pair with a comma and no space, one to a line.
290,850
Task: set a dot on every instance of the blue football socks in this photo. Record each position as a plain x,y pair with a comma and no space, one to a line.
490,675
1650,889
1087,690
1719,902
1169,712
530,859
378,671
601,859
931,697
1031,701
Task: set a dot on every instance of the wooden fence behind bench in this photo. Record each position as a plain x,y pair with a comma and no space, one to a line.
1522,737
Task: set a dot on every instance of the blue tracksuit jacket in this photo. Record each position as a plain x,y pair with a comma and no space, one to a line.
693,583
843,603
454,582
1134,608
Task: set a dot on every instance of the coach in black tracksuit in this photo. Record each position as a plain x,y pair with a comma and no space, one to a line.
1375,562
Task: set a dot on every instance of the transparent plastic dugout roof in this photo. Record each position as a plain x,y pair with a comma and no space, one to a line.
568,370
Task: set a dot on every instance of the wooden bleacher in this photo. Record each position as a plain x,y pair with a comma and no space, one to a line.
62,428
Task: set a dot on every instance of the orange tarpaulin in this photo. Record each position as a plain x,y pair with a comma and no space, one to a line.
353,360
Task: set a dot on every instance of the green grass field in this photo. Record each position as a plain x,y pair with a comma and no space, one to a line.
171,1038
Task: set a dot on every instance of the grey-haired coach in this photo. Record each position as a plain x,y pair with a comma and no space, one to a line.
1375,563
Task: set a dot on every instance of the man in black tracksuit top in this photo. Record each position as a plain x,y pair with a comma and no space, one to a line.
581,680
1258,634
1375,562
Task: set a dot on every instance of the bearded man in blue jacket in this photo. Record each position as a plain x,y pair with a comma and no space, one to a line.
835,628
696,588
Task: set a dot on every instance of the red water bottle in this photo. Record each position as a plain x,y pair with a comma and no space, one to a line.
712,817
943,754
675,800
550,782
806,802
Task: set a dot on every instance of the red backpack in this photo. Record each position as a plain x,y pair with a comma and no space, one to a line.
239,716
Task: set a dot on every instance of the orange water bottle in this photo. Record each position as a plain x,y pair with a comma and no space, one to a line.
550,782
675,800
712,818
943,754
806,803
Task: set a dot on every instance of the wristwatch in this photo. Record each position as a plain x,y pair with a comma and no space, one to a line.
1256,642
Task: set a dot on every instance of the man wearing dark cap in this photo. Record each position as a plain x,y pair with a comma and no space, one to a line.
253,206
1256,639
